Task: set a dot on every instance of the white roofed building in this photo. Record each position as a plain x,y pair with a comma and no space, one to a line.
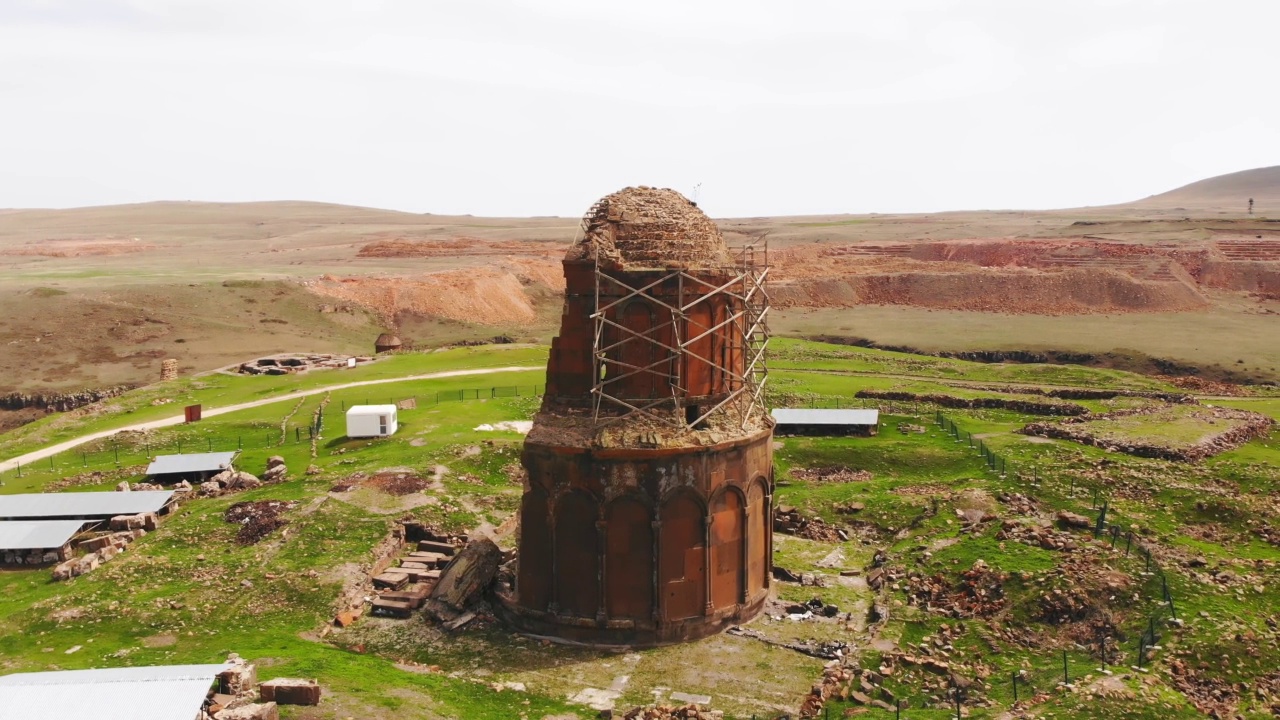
807,421
167,692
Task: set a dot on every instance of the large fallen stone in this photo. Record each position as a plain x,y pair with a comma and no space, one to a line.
254,711
242,480
1070,519
290,691
64,571
468,575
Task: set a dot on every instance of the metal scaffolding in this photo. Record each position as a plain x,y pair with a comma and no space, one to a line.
674,293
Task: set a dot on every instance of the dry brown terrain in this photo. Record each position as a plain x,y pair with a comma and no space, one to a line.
97,296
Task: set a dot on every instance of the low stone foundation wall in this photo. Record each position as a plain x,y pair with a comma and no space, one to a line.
1249,425
1030,407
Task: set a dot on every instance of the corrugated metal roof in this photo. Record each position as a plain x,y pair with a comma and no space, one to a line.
191,462
173,692
806,416
370,409
37,534
82,504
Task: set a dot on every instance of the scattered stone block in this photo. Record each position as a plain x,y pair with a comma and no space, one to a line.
436,547
290,691
391,580
394,608
431,559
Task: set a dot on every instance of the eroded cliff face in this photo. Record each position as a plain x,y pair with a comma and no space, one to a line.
509,281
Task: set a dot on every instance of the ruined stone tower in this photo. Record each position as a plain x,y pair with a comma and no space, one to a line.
646,514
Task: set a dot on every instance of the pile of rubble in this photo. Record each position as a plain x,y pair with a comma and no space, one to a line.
666,712
831,474
1036,536
847,684
231,480
100,549
979,592
1019,504
787,519
257,519
286,364
238,695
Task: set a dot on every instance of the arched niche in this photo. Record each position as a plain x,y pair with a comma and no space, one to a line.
577,542
682,565
533,584
699,358
628,559
727,571
758,560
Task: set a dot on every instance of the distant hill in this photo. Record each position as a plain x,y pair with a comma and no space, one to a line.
1226,192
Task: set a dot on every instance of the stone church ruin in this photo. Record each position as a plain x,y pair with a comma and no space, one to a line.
645,517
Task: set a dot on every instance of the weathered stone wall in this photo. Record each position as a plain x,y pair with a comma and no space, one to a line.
60,402
1030,407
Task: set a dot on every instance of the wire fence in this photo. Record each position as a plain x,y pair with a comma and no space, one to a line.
117,455
1131,644
1132,649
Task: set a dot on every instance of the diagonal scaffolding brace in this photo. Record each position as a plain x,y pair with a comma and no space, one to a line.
672,344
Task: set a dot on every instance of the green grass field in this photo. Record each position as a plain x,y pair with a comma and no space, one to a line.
188,593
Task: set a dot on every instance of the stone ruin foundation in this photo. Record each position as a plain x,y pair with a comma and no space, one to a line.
645,517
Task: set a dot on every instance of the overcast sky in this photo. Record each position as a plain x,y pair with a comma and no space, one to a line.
538,108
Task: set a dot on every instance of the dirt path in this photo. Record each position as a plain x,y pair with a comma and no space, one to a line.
45,452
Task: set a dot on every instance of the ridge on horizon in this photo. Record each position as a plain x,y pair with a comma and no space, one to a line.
1262,184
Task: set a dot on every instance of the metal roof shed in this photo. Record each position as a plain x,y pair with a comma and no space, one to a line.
82,505
170,692
808,421
191,463
37,534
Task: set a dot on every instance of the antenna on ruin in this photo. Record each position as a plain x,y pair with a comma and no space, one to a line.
697,190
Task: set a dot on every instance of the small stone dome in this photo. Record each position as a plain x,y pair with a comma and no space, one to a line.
644,227
386,342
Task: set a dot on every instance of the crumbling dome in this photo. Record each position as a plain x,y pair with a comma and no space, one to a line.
646,515
386,342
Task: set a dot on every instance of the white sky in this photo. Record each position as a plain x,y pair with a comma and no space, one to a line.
531,107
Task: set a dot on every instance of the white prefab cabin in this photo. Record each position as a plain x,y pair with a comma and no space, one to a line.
371,421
